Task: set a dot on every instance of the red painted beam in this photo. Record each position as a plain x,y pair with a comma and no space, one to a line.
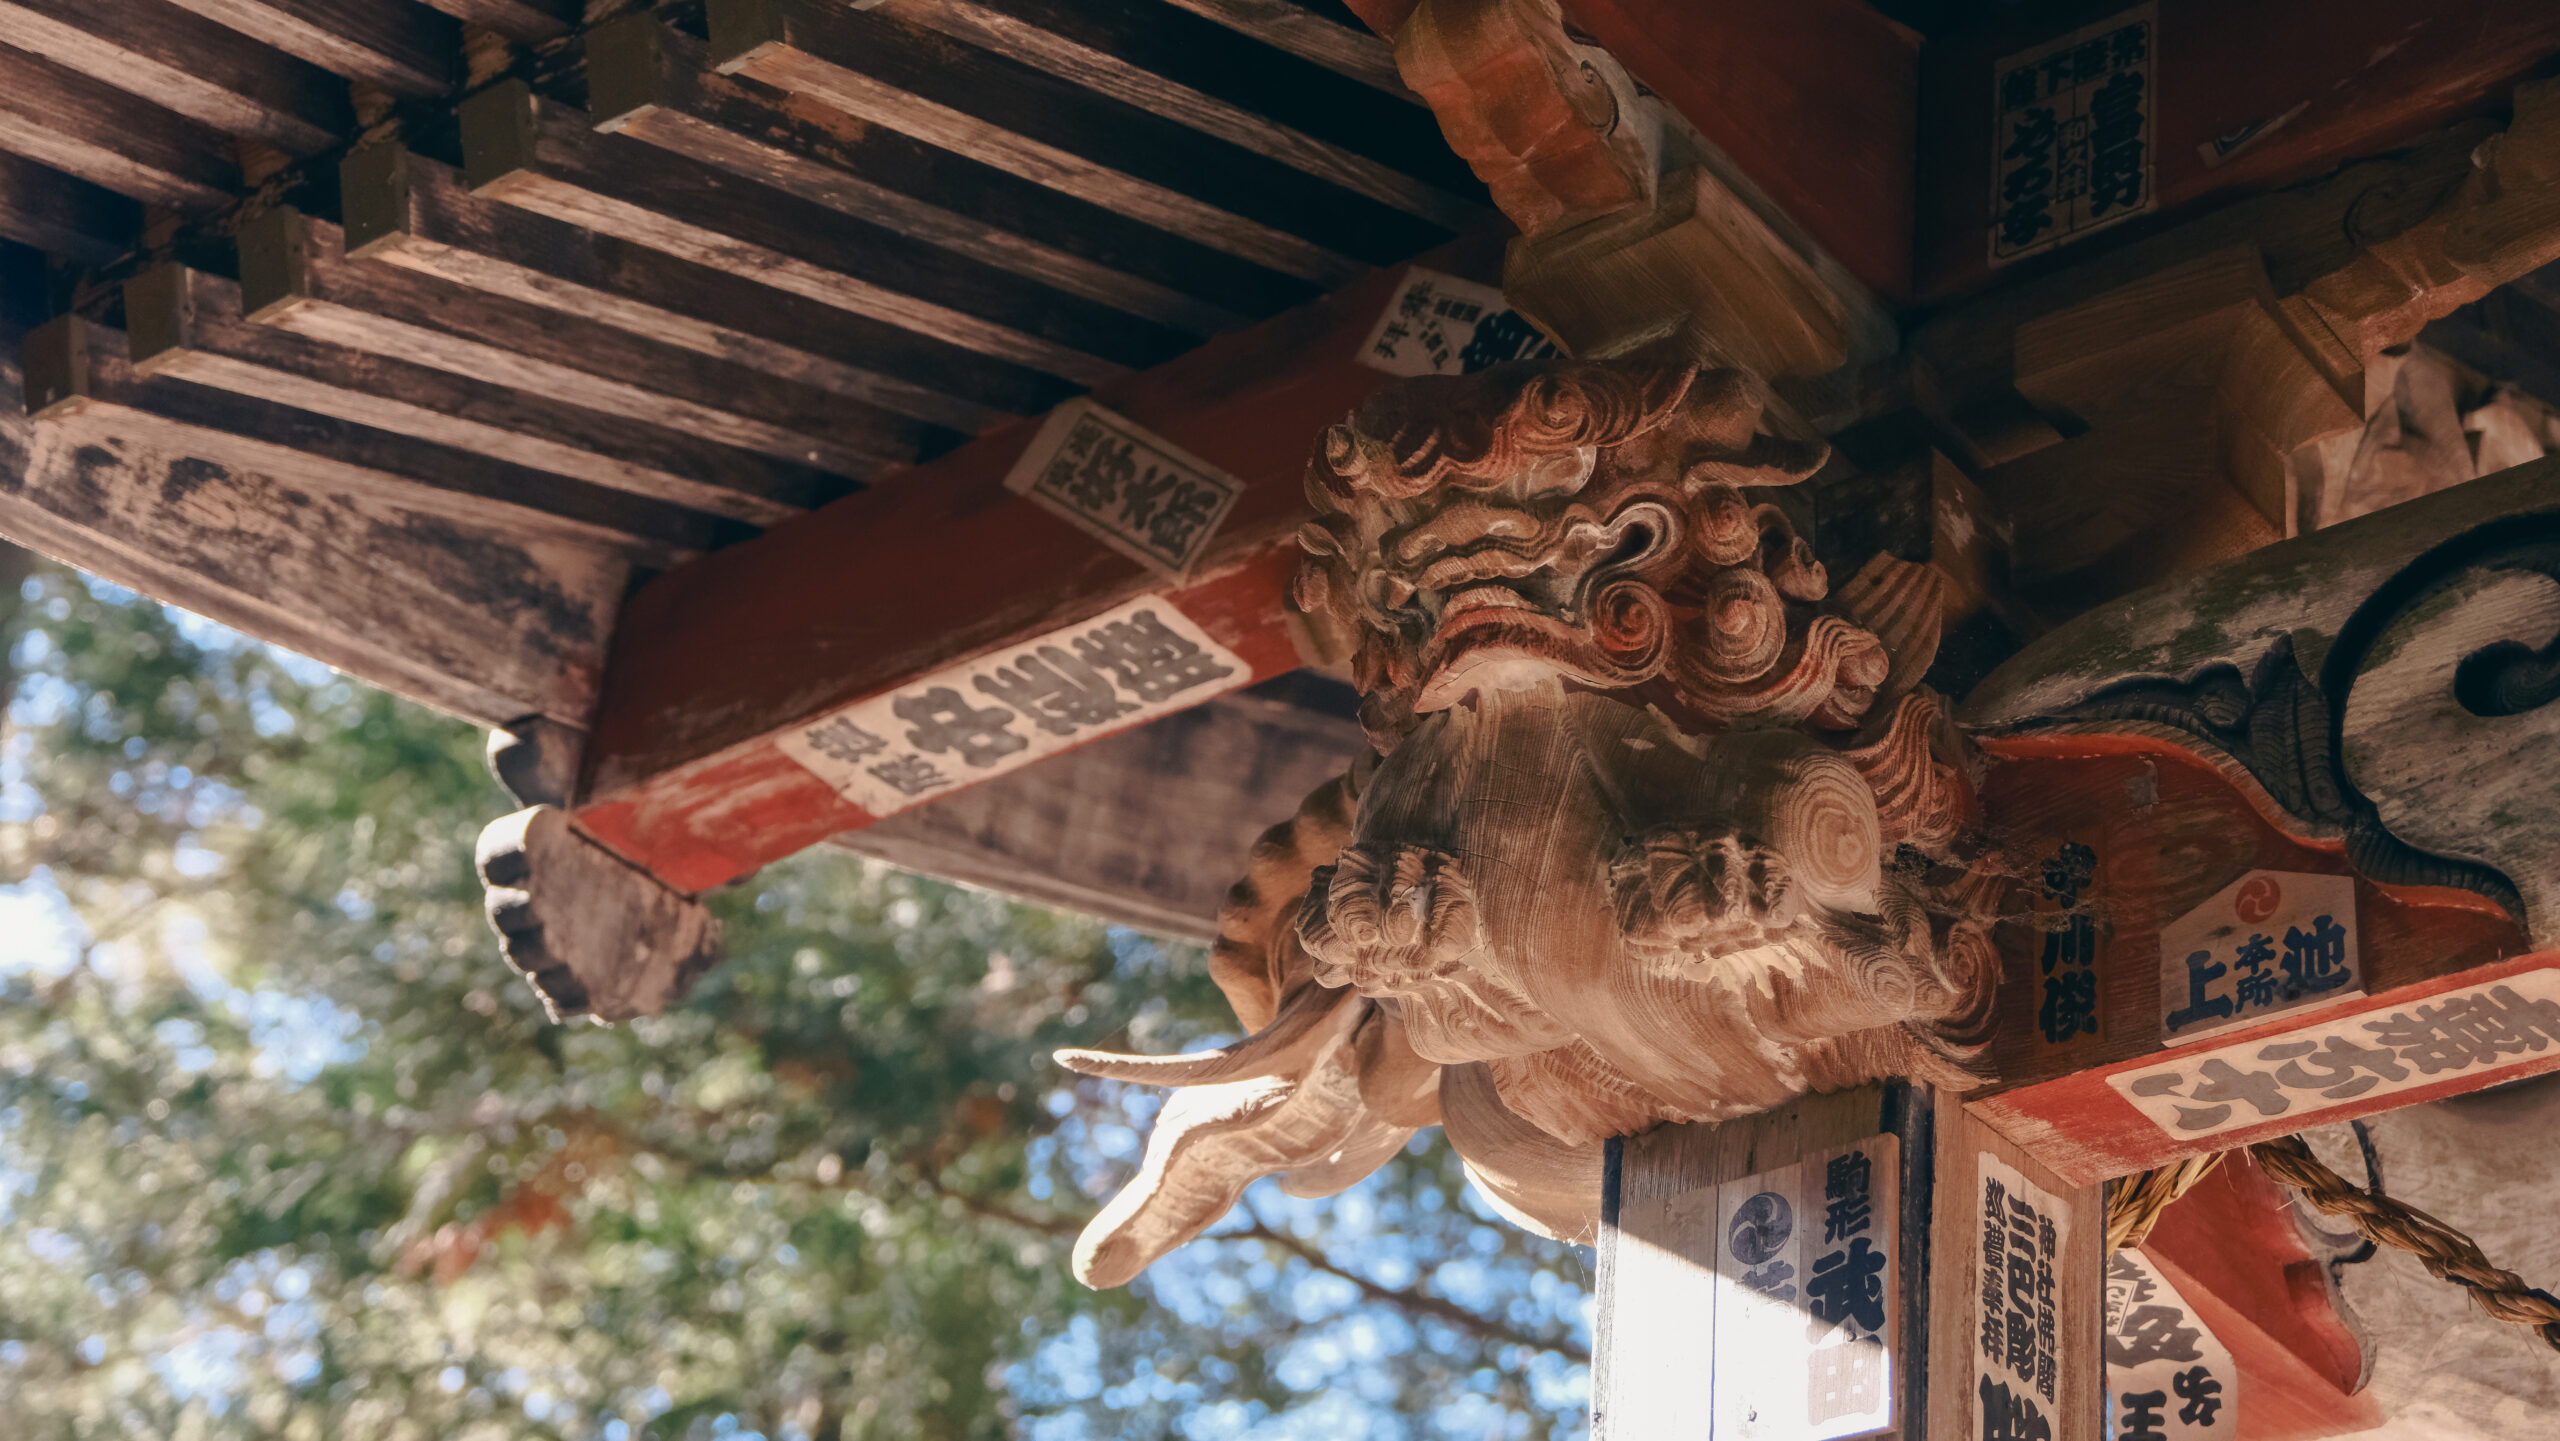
940,565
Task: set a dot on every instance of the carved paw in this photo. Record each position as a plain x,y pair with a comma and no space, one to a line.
1698,893
1383,919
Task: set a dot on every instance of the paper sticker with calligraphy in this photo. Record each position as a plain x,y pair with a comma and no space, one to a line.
2465,1035
2269,942
2169,1378
2066,911
2021,1232
1139,493
1438,324
2071,144
1001,712
1808,1297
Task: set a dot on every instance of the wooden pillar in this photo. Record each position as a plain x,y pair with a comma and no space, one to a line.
1867,1264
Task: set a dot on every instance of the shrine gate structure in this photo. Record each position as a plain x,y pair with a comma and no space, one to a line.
1852,620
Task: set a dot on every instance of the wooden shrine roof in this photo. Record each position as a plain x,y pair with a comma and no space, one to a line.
657,281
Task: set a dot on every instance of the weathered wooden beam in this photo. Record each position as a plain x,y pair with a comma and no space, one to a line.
398,45
1147,828
407,210
490,623
1007,114
76,368
65,215
538,154
294,274
1218,82
1312,35
209,73
651,81
187,325
684,774
111,137
523,20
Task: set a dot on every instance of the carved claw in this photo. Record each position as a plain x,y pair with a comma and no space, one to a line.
1690,892
1381,921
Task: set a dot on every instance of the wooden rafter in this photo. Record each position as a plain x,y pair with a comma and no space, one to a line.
399,45
410,211
63,214
77,368
210,73
651,81
186,324
111,137
541,155
294,274
1345,49
1175,64
1026,120
524,20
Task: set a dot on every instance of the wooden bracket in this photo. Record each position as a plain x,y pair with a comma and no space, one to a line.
596,935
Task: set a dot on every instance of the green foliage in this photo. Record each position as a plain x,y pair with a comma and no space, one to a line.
284,1150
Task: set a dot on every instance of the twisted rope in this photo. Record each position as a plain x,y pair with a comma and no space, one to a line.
2447,1254
2134,1204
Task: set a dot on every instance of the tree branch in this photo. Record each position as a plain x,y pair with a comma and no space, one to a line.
1413,1300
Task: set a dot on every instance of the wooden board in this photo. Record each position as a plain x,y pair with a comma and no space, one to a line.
1957,1371
210,73
482,622
718,659
294,274
187,325
1686,1340
537,154
1310,34
655,83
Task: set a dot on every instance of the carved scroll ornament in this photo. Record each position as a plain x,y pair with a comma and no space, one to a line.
1662,826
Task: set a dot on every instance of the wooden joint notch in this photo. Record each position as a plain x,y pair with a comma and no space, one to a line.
500,129
56,359
275,263
743,30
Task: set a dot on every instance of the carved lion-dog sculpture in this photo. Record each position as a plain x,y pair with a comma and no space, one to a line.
1662,826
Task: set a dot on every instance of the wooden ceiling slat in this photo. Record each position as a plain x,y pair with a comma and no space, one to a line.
188,325
655,83
1009,115
294,274
186,63
63,214
525,20
543,156
1360,54
110,137
78,366
1172,63
397,45
409,210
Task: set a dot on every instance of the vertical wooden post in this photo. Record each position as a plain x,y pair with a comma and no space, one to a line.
1759,1279
2008,1240
1724,1249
